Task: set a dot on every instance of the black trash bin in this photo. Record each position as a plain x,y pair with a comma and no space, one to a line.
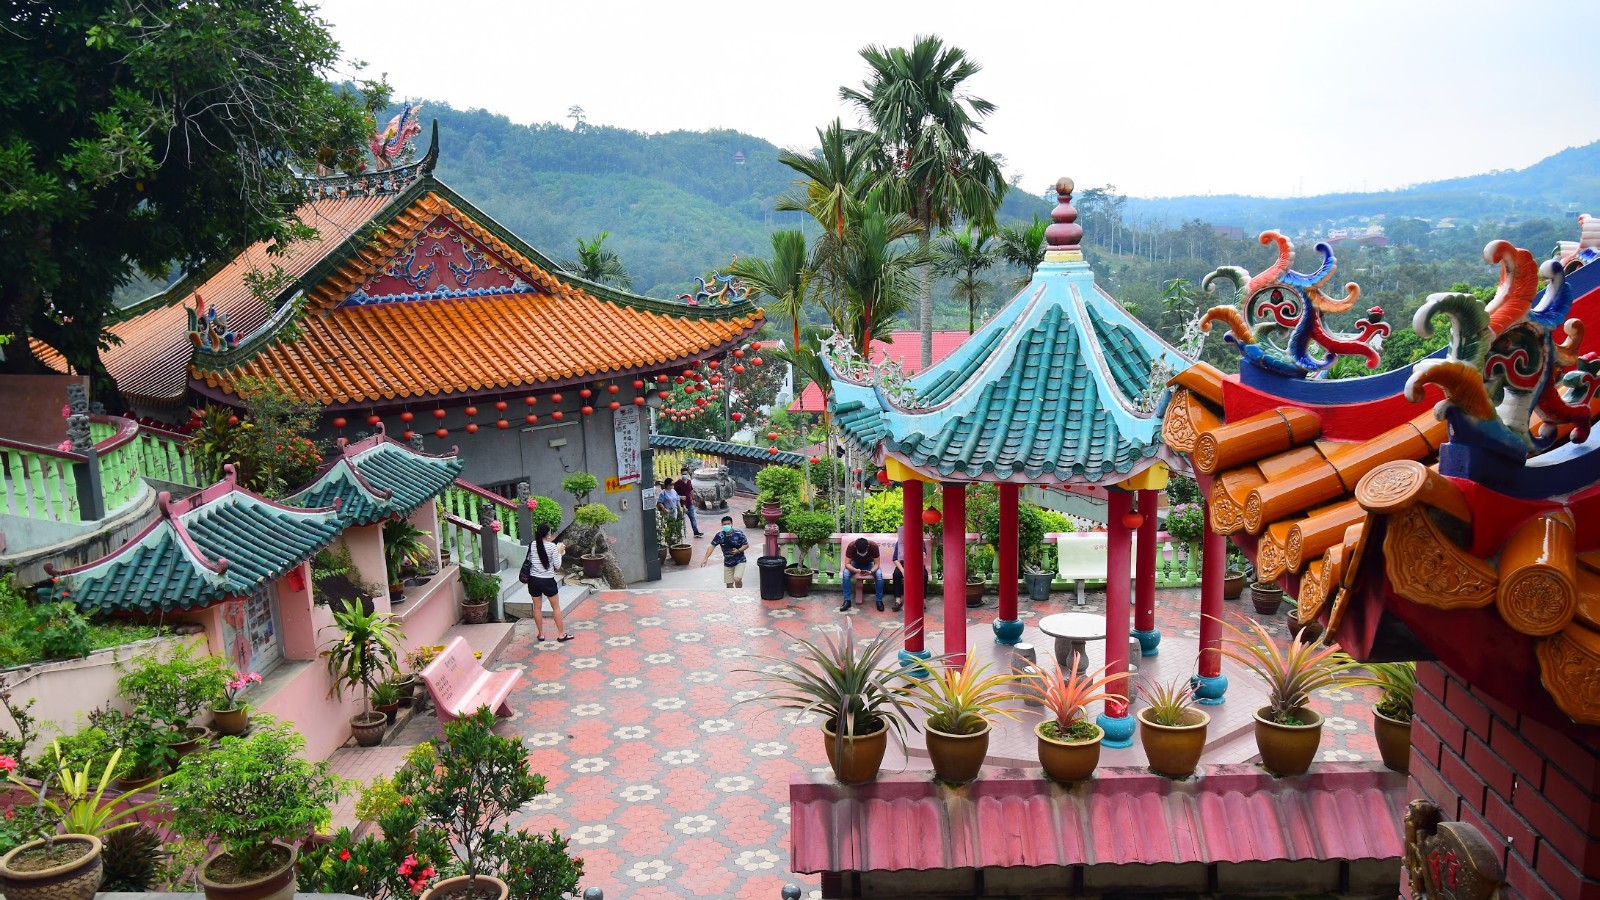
771,569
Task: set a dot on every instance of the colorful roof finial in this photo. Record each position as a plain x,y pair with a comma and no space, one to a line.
1064,232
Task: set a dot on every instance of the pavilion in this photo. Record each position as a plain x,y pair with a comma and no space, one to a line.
1056,389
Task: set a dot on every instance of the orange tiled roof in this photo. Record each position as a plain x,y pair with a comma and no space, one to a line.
152,361
547,331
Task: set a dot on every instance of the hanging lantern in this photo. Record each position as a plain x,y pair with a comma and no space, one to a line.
407,416
738,370
472,411
678,380
712,364
755,345
371,420
530,400
1132,520
502,424
855,472
663,394
772,435
815,460
931,517
442,433
339,422
555,398
438,414
755,361
611,389
638,385
883,476
689,389
530,418
699,401
738,353
585,393
614,405
472,428
773,451
638,401
557,415
587,409
500,406
407,435
736,416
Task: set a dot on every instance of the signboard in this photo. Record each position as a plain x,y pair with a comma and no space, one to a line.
649,497
630,443
615,485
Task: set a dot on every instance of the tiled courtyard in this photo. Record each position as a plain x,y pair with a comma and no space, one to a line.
666,784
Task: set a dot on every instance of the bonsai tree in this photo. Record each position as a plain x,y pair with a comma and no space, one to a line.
595,516
812,528
579,484
367,651
173,690
248,793
404,544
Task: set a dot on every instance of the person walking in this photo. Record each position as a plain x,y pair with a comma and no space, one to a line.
685,489
544,560
861,559
733,544
667,502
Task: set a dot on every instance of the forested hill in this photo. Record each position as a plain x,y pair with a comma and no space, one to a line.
1546,188
676,204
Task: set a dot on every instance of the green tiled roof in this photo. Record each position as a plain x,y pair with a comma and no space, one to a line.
378,478
1046,392
743,452
224,542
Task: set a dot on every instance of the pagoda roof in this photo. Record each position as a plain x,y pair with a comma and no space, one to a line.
376,478
222,542
904,347
1056,388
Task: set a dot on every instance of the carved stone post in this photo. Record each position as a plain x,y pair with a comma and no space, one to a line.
524,514
491,552
91,499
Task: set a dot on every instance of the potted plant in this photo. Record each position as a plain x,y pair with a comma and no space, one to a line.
1391,715
1034,574
1186,522
146,744
1287,734
404,544
1171,730
254,798
979,560
366,652
812,528
672,536
386,699
594,516
958,704
1266,596
175,690
475,780
579,484
1308,631
861,700
478,590
1069,744
1239,570
230,715
416,661
752,518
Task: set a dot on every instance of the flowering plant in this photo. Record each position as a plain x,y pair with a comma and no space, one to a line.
418,659
1186,523
236,686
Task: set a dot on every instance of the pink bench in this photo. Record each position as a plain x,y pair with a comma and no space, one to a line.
459,686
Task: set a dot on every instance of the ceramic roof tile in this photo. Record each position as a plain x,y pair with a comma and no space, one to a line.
377,478
905,348
742,452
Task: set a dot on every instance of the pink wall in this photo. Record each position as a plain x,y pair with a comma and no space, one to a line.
426,517
366,551
294,617
428,618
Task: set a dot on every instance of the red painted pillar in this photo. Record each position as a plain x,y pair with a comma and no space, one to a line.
1210,684
955,573
1115,720
1007,627
1144,587
912,562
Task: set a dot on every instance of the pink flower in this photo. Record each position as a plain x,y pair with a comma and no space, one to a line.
7,765
65,446
533,502
255,677
66,412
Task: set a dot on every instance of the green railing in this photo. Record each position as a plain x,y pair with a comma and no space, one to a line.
461,500
39,483
162,457
119,466
461,539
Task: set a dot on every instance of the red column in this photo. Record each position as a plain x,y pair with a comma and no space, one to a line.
1115,720
1210,684
913,563
955,573
1144,588
1007,628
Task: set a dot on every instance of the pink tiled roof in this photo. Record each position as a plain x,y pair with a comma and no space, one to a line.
906,350
1011,817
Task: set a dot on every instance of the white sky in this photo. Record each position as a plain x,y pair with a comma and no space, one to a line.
1158,98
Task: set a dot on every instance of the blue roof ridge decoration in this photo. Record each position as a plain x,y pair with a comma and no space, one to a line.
370,488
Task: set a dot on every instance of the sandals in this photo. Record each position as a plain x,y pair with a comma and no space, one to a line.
565,637
542,638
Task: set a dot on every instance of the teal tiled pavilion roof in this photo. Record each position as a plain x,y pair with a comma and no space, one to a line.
222,542
1047,392
376,478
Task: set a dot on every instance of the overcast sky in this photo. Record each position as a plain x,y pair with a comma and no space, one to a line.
1157,98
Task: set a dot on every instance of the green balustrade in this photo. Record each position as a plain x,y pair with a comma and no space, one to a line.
38,485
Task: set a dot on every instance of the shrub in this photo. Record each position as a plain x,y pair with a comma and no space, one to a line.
1056,523
480,587
1030,532
175,689
811,528
779,481
1186,523
545,511
579,484
63,631
882,513
533,866
248,792
595,516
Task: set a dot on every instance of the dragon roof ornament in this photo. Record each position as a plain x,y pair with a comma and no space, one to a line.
886,376
721,290
1275,317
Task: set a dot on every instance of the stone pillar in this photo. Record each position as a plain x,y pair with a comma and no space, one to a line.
524,514
955,573
491,551
1210,685
913,564
1115,720
1007,627
1144,586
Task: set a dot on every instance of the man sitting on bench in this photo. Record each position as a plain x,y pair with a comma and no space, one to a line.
861,560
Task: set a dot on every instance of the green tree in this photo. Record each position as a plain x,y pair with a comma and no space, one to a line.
877,275
598,263
922,121
154,133
1023,245
963,256
784,278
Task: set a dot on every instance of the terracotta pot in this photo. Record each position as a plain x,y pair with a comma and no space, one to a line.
798,583
199,736
474,613
1394,741
1307,631
1267,598
752,519
368,728
957,758
1068,760
454,887
389,711
1288,749
974,592
136,785
234,721
77,879
279,884
1174,750
681,554
408,689
1233,586
862,756
593,566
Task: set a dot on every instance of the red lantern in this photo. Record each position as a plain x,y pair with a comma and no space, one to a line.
772,435
406,416
555,398
339,422
587,409
738,370
371,420
663,394
438,414
738,353
756,361
442,433
557,415
502,424
677,379
472,428
755,345
611,389
530,400
638,401
407,435
815,460
699,401
638,384
883,476
931,517
855,472
614,405
530,418
472,410
713,364
773,450
689,389
500,405
234,420
1132,520
737,416
585,393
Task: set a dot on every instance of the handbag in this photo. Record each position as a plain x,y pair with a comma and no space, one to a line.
525,574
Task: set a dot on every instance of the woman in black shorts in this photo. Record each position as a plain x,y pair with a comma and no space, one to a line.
544,560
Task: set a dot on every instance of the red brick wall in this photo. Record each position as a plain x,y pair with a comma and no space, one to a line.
1532,790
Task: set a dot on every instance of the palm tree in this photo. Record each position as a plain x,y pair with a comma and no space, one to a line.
922,121
1024,246
598,263
963,256
785,278
877,274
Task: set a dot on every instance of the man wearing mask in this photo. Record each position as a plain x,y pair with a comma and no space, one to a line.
861,558
733,543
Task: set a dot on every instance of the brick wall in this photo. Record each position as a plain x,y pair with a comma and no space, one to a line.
1532,790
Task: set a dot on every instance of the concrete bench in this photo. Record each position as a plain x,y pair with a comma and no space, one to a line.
885,544
459,686
1081,557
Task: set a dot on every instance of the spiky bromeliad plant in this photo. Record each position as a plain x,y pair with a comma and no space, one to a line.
844,681
1397,681
82,807
961,700
1066,696
1291,672
1169,701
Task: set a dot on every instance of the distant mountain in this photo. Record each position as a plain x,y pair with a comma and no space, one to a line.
1545,188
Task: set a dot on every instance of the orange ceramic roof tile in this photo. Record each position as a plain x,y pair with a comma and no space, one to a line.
152,361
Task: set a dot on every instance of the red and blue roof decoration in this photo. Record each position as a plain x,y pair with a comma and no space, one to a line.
377,478
1059,387
221,542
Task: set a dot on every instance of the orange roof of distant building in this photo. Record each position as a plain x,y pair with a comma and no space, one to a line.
905,349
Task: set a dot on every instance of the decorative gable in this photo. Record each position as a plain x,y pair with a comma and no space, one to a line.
441,262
